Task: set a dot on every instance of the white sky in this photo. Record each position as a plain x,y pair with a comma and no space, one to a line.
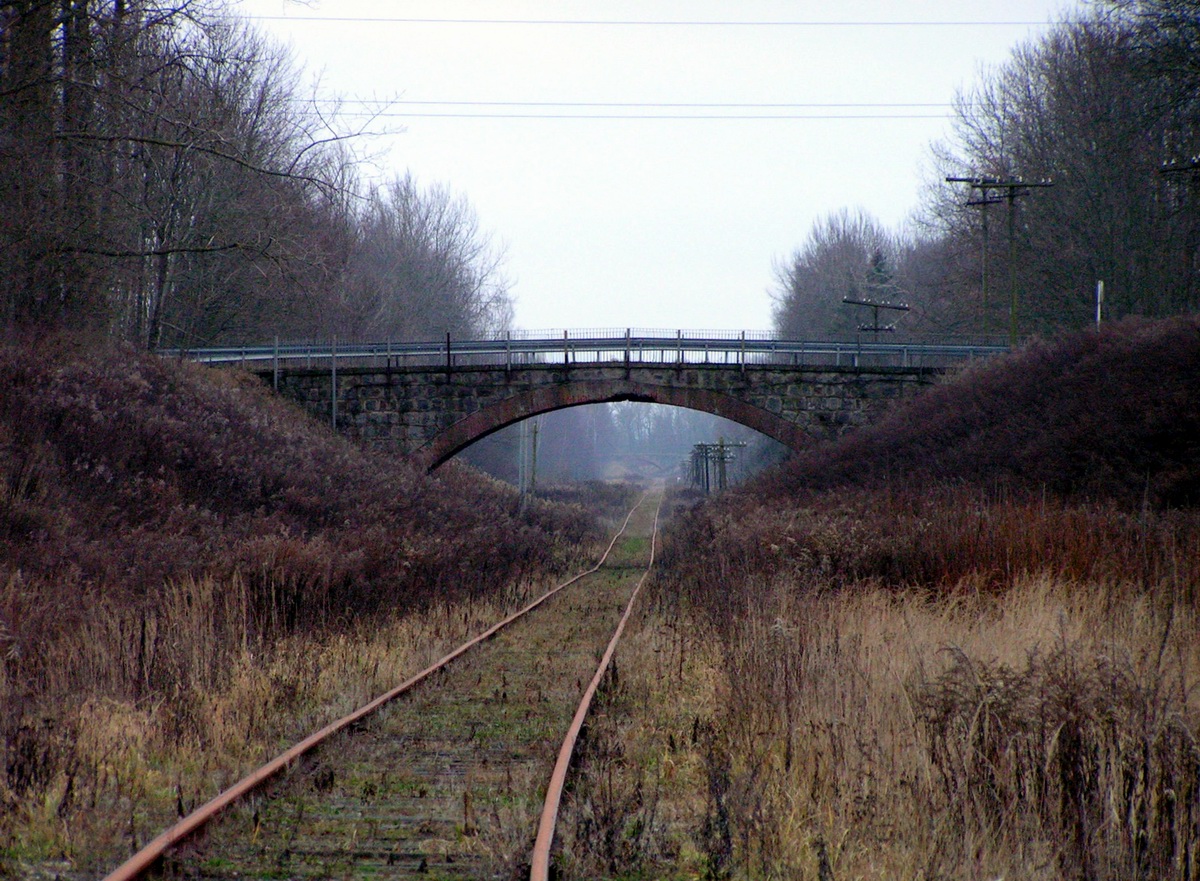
657,223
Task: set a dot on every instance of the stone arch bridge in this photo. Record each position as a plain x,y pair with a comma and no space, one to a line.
429,401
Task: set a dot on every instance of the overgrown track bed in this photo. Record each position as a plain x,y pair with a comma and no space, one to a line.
448,782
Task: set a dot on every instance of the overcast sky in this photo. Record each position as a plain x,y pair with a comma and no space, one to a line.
658,221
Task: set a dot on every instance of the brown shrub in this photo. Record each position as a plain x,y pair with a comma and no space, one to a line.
160,523
1111,415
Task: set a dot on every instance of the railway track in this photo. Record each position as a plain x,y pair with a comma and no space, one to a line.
451,774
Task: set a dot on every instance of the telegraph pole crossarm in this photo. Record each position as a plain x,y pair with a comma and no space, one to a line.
875,306
1192,164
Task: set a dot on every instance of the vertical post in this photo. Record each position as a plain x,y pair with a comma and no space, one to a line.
743,352
333,389
275,365
679,346
449,361
721,484
537,420
507,350
627,339
1012,268
1099,302
983,210
566,349
523,462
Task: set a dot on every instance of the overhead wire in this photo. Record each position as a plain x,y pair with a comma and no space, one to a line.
714,110
731,23
613,116
584,110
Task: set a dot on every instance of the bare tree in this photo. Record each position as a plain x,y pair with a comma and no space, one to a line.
847,254
1074,108
168,184
423,268
1167,44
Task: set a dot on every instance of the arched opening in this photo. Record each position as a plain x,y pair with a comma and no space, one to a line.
778,434
624,441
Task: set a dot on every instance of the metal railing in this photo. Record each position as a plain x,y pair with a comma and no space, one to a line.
517,349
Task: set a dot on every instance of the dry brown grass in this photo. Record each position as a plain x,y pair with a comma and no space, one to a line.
1045,733
90,783
787,711
961,644
185,560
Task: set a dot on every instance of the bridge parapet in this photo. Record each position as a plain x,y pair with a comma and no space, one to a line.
631,346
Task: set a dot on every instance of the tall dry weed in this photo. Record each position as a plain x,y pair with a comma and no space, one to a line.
946,685
178,549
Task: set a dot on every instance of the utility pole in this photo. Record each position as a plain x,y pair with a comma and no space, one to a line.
707,456
527,455
1192,242
1011,188
982,202
875,327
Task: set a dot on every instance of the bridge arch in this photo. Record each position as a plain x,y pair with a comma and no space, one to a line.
430,413
545,399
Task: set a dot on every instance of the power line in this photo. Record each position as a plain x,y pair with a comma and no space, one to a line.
642,110
683,110
379,108
645,23
717,105
666,116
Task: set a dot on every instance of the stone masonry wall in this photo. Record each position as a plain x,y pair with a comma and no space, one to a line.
410,409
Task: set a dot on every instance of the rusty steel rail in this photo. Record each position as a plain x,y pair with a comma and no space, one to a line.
144,860
540,862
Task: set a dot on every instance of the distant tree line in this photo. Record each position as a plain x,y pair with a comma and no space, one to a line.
164,179
613,441
1106,106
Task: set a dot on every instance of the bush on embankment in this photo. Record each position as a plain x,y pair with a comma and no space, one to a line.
1111,415
163,524
1079,457
960,643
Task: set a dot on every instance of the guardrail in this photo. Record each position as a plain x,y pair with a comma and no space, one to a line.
522,349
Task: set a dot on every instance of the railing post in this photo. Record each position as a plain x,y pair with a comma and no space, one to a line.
275,365
743,353
679,346
333,389
566,349
449,359
628,334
